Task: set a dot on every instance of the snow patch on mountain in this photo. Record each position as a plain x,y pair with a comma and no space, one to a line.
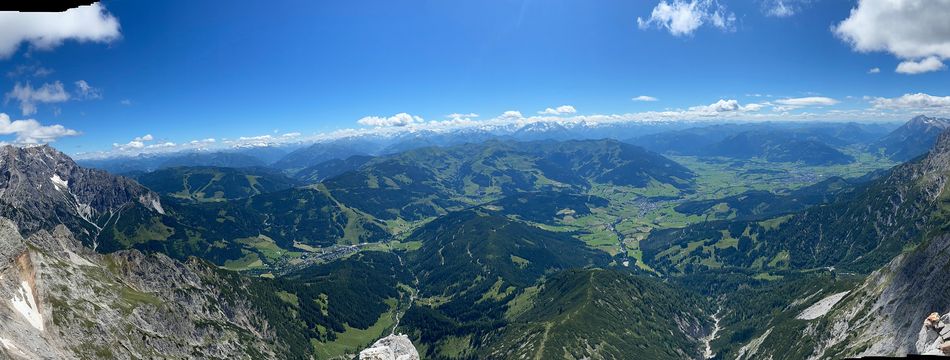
25,304
59,183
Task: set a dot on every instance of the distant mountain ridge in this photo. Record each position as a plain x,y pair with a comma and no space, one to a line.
425,182
912,139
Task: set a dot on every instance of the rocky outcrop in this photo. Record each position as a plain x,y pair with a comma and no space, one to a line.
60,300
41,188
392,347
883,316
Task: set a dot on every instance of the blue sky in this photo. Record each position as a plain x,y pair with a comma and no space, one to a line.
186,70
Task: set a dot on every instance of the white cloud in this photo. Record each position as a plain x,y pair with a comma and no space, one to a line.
645,98
47,30
125,102
681,17
203,141
874,71
560,110
915,31
28,97
917,67
462,117
511,115
720,107
255,138
400,119
85,91
913,102
131,145
167,144
30,131
137,143
807,101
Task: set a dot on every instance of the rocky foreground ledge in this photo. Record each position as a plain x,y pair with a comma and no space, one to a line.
392,347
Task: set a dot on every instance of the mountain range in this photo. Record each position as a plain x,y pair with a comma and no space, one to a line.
493,249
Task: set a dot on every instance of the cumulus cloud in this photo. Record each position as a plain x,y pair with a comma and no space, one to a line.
137,143
400,119
511,115
560,110
915,31
30,131
131,145
645,98
722,106
29,97
462,117
681,17
45,31
913,102
921,66
874,71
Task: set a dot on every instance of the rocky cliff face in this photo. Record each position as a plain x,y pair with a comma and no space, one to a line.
41,188
60,300
883,316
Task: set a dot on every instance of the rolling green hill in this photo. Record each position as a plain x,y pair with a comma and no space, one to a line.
472,266
861,233
428,182
201,184
606,314
546,207
760,203
259,232
778,146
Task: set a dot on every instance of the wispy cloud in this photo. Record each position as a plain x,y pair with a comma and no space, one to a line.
29,97
84,91
783,8
645,98
21,71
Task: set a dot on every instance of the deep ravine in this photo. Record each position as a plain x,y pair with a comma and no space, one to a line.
707,352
